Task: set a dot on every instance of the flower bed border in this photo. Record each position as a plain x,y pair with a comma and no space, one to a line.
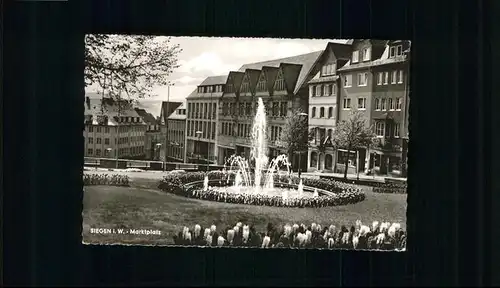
182,184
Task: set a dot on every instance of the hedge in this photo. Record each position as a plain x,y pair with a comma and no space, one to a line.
105,179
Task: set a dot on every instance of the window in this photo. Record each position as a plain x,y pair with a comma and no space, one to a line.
394,76
355,57
279,85
327,90
283,109
276,109
97,152
380,128
322,112
248,109
312,91
334,89
313,112
384,107
106,141
399,103
106,130
347,103
392,52
318,90
399,50
328,69
241,109
366,54
392,104
98,129
347,80
362,103
91,129
261,86
400,78
330,112
386,78
362,79
91,140
98,140
380,76
90,151
396,130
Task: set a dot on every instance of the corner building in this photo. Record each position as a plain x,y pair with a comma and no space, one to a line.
375,81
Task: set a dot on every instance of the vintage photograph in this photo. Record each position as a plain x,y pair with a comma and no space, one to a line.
246,142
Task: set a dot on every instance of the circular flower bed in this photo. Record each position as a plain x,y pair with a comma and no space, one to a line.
191,185
105,179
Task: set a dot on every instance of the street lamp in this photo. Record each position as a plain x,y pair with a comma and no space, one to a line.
198,134
300,152
157,150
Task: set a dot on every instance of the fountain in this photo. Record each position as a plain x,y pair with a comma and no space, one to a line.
262,179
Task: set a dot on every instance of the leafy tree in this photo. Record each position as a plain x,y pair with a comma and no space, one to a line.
128,65
294,136
352,134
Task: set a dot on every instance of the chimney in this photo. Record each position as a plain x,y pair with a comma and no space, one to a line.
87,99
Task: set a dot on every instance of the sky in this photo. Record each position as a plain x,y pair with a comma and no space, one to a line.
211,56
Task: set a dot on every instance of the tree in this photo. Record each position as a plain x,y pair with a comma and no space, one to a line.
352,134
294,136
128,64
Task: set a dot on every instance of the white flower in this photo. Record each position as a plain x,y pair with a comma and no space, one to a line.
220,241
288,230
358,224
188,236
313,226
331,242
392,231
212,229
295,227
239,224
246,234
209,240
308,236
266,241
355,241
364,230
345,238
197,230
380,238
207,233
230,235
332,229
236,229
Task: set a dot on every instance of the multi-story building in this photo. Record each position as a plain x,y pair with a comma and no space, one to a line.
175,131
324,91
375,80
112,130
152,134
282,85
165,147
202,117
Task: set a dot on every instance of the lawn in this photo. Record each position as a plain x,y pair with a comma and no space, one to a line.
144,207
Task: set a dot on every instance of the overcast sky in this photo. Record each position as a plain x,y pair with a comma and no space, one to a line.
210,56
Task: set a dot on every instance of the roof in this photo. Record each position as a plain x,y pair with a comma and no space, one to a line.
306,60
147,117
168,108
175,116
214,80
98,105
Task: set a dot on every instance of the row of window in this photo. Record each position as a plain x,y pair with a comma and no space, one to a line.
382,78
121,140
275,133
320,134
322,90
321,113
381,104
361,103
202,110
210,89
201,129
387,129
175,152
328,69
396,77
138,150
121,129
